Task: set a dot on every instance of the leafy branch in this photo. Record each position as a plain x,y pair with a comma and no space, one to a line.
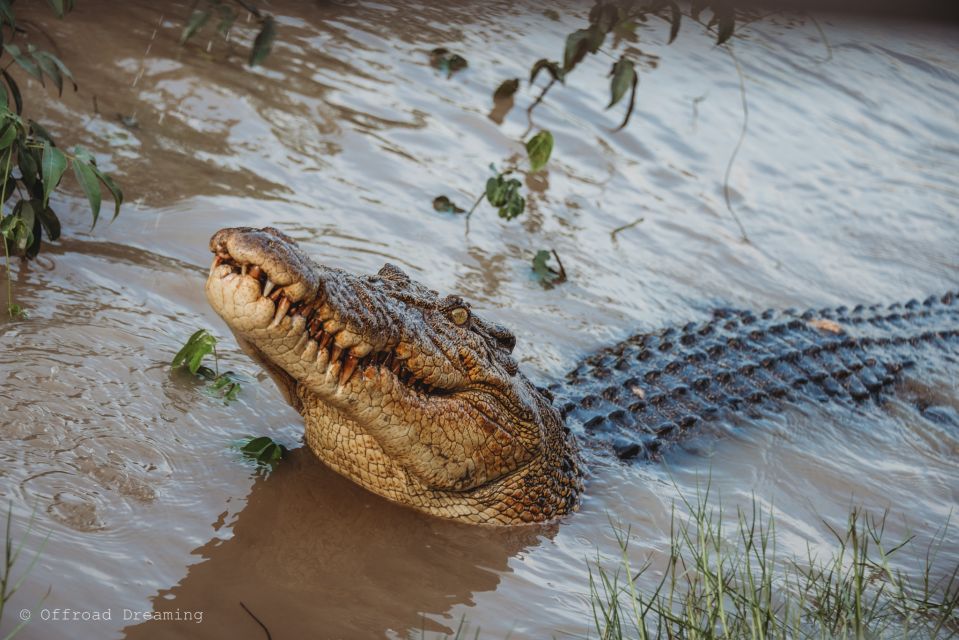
201,344
32,163
226,17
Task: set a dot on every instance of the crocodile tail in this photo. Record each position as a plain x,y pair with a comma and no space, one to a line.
651,388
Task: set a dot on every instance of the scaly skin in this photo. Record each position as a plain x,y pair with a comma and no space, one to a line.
416,398
407,393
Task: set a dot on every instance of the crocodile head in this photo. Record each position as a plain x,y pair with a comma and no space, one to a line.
406,392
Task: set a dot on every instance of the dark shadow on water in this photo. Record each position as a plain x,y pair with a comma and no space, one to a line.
315,556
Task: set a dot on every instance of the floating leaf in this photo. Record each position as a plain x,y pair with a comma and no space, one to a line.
197,19
200,344
87,178
226,386
52,166
264,41
538,149
445,205
624,75
263,450
545,274
449,63
506,89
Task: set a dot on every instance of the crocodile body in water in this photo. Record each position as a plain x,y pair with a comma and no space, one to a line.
415,397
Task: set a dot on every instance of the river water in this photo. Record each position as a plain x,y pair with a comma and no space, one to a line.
845,182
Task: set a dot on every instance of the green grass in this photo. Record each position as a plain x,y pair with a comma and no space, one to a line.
9,584
727,581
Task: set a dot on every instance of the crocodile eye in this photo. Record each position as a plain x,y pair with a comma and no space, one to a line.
460,315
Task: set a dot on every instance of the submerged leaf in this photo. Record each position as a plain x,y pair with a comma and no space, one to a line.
445,205
263,450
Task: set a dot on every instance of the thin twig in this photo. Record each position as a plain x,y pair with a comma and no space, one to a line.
630,225
263,626
739,143
562,269
822,34
472,209
529,110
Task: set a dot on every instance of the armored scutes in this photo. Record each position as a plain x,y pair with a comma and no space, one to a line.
415,397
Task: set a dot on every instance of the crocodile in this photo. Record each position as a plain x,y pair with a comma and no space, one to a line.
416,397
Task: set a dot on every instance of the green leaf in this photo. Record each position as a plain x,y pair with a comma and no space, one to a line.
48,67
6,14
52,166
515,206
28,166
14,91
445,205
63,69
197,347
49,220
577,44
197,19
9,133
506,89
624,75
58,7
39,131
538,149
87,178
264,41
25,63
22,231
263,450
112,187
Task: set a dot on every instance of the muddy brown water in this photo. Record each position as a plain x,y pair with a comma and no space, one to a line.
846,182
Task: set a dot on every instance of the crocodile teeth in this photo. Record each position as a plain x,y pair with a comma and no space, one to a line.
255,272
243,270
268,287
281,310
337,352
325,340
348,368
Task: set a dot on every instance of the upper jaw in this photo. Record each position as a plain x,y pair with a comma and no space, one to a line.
273,254
274,297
